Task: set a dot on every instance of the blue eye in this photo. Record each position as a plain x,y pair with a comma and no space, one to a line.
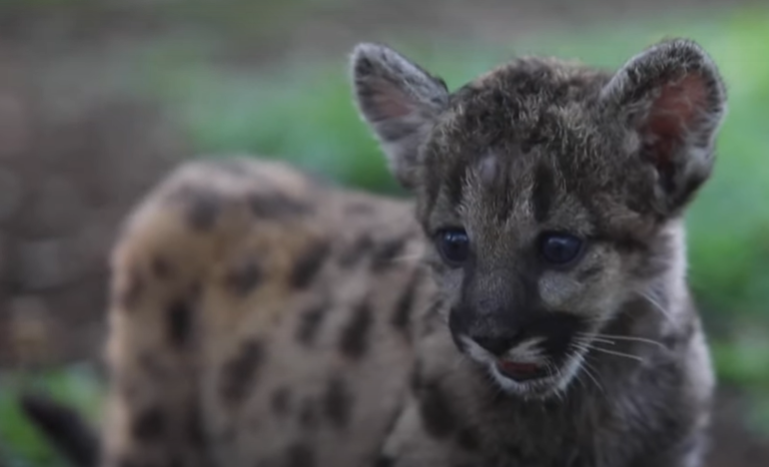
560,248
453,245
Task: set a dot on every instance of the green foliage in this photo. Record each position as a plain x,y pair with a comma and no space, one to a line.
21,445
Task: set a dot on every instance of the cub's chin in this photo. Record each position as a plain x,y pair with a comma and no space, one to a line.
528,377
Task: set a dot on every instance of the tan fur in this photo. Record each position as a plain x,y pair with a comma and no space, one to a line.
178,383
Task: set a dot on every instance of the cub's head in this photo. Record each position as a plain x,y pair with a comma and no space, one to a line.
551,193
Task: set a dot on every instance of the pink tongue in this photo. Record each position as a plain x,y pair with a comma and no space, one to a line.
514,367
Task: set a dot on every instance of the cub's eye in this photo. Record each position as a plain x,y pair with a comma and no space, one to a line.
560,248
453,245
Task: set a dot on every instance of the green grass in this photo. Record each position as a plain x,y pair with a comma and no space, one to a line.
20,444
303,113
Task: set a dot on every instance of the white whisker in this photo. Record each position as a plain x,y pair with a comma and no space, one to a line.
655,302
605,338
587,367
550,368
595,338
585,346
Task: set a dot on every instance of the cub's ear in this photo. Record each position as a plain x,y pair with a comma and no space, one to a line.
673,98
400,101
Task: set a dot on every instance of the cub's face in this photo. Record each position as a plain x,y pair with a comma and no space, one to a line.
547,191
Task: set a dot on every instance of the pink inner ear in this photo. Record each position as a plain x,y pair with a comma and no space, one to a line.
390,102
672,115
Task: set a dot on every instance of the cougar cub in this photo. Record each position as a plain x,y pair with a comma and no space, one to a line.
262,318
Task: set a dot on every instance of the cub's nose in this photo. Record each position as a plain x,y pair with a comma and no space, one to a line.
497,345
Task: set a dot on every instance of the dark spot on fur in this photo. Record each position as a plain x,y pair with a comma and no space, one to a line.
179,321
384,461
244,276
623,242
385,253
300,455
356,251
309,323
148,425
403,307
468,439
455,181
355,334
276,205
238,374
589,272
161,268
503,184
202,209
437,415
309,264
280,400
337,402
542,195
308,417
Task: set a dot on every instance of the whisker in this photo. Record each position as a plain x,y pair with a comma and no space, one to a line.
596,338
587,367
606,337
557,373
573,353
586,346
580,380
658,306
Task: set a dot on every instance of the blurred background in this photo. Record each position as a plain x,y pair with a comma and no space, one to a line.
99,99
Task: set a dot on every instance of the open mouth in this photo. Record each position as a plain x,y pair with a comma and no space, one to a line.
521,371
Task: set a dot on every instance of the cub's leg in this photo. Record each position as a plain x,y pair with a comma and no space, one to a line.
437,426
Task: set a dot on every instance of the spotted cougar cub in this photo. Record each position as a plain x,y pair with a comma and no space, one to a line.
262,318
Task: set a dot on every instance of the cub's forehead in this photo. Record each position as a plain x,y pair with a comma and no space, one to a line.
525,102
552,81
522,138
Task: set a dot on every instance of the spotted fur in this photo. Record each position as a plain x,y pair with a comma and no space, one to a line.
262,318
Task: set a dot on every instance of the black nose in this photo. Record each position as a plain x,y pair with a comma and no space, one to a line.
497,345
